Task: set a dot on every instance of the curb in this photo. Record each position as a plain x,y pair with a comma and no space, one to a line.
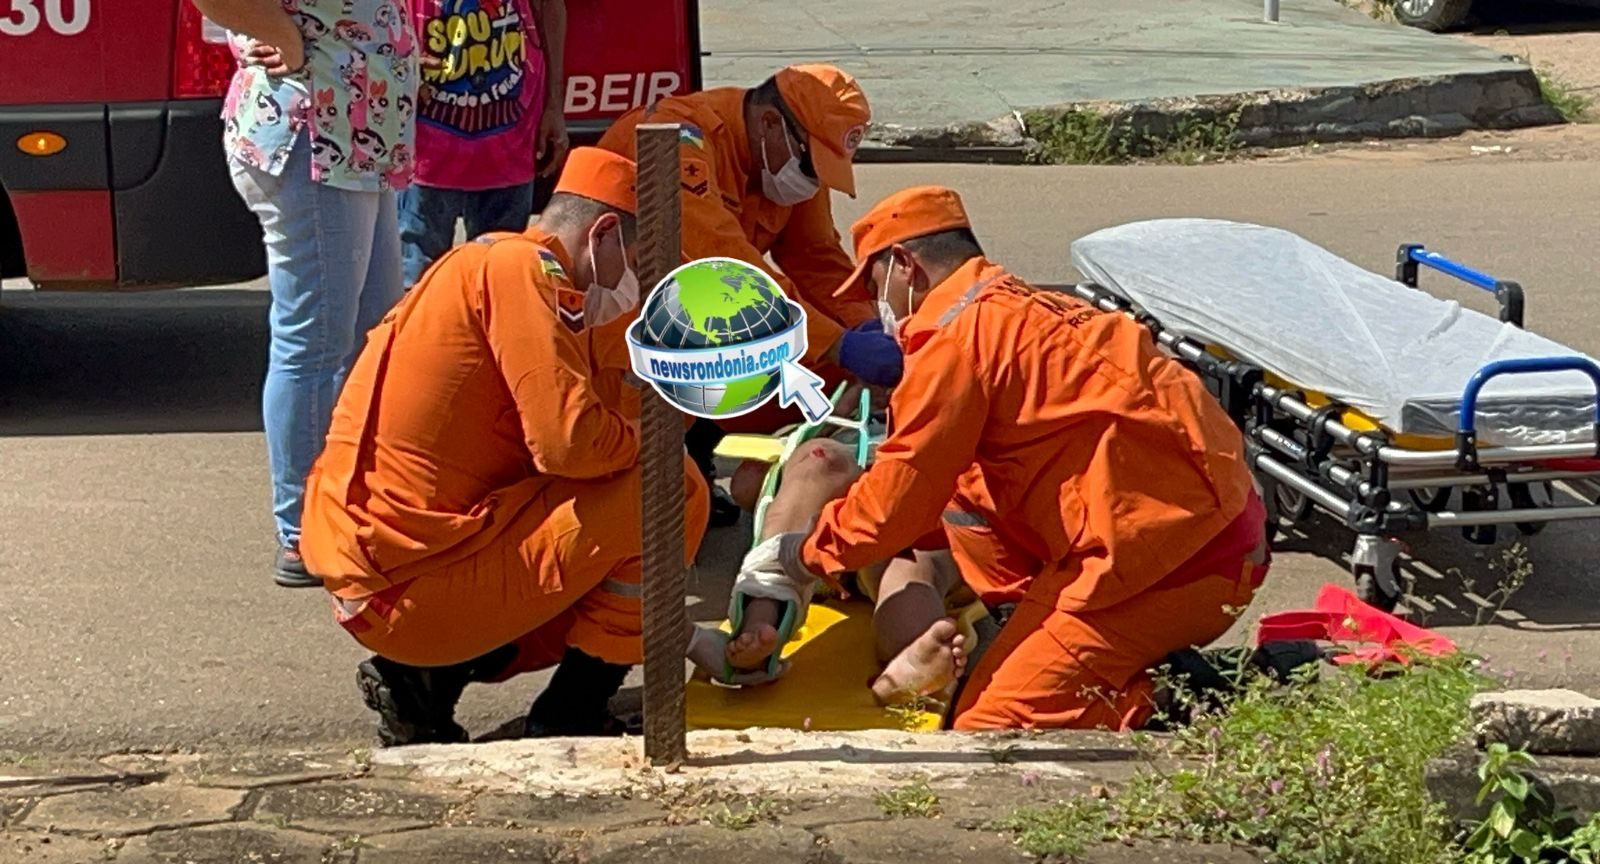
1432,107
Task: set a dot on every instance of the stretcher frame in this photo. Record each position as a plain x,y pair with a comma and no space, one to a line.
1309,452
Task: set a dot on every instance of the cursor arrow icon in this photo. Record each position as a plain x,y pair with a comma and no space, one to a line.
799,384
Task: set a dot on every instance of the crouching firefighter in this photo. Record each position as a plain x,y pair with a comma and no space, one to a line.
475,513
1086,485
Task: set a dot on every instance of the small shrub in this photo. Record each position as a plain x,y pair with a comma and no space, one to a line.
1084,137
753,811
1522,824
1571,103
913,799
1325,774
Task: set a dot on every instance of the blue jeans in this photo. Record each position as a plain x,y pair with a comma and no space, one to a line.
428,219
333,264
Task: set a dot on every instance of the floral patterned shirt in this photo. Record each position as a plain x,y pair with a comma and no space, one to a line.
356,95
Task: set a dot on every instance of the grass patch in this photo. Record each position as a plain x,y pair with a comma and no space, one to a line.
1574,105
750,812
1083,137
1307,774
912,799
1331,772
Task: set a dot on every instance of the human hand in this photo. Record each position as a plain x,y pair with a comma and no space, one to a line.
871,355
278,61
790,546
553,142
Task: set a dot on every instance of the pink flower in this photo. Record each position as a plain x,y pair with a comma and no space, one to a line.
1275,787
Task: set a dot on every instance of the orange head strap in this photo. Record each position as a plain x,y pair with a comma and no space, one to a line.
601,175
830,105
907,214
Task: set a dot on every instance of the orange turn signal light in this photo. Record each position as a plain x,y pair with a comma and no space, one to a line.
41,143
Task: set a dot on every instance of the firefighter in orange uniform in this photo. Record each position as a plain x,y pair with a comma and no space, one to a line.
476,513
758,165
1089,488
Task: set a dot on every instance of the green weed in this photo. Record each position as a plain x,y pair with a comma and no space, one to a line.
1522,823
912,799
750,813
1084,137
1571,103
1305,774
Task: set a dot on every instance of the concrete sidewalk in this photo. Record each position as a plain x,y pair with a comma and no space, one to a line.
762,797
959,74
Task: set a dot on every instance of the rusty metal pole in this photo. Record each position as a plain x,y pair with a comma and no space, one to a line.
666,621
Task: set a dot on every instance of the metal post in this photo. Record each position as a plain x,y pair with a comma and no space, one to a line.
661,430
1270,13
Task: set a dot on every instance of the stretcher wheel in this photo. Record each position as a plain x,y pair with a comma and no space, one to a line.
1430,499
1371,590
1522,498
1285,506
1375,564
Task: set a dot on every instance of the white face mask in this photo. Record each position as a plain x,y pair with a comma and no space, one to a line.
891,321
789,185
602,305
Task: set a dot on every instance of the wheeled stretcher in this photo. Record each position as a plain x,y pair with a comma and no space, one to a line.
1360,395
832,651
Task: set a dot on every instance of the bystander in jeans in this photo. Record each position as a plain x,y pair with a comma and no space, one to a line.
489,113
319,135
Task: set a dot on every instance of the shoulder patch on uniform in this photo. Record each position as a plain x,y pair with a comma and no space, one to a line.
569,306
550,264
690,134
696,189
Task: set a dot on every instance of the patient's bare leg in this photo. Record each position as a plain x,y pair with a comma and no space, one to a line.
820,471
922,649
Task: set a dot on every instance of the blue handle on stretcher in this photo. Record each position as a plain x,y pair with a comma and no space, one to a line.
1509,294
1466,430
1450,268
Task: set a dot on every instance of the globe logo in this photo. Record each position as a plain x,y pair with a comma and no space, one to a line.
717,338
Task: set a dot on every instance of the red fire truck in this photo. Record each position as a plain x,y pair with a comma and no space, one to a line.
112,174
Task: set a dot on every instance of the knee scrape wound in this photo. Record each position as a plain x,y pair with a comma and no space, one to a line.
762,575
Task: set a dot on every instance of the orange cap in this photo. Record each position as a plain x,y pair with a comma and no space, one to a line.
909,213
830,105
602,175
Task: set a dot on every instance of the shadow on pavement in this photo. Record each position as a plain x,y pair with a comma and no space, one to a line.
1523,18
117,364
1455,583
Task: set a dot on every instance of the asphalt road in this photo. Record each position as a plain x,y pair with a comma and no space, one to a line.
136,610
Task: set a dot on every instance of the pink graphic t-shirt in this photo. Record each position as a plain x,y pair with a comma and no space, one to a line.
478,113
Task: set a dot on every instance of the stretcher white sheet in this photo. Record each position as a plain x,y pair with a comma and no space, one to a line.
1397,354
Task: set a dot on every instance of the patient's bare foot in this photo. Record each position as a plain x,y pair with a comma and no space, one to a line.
751,648
928,665
758,634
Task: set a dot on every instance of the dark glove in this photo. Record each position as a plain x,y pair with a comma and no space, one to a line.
871,354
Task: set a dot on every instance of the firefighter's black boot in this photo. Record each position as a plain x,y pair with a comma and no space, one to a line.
577,701
416,704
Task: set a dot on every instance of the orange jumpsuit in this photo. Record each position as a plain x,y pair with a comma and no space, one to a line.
726,215
480,483
1079,474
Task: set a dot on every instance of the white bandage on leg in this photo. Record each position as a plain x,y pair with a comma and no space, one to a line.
763,575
